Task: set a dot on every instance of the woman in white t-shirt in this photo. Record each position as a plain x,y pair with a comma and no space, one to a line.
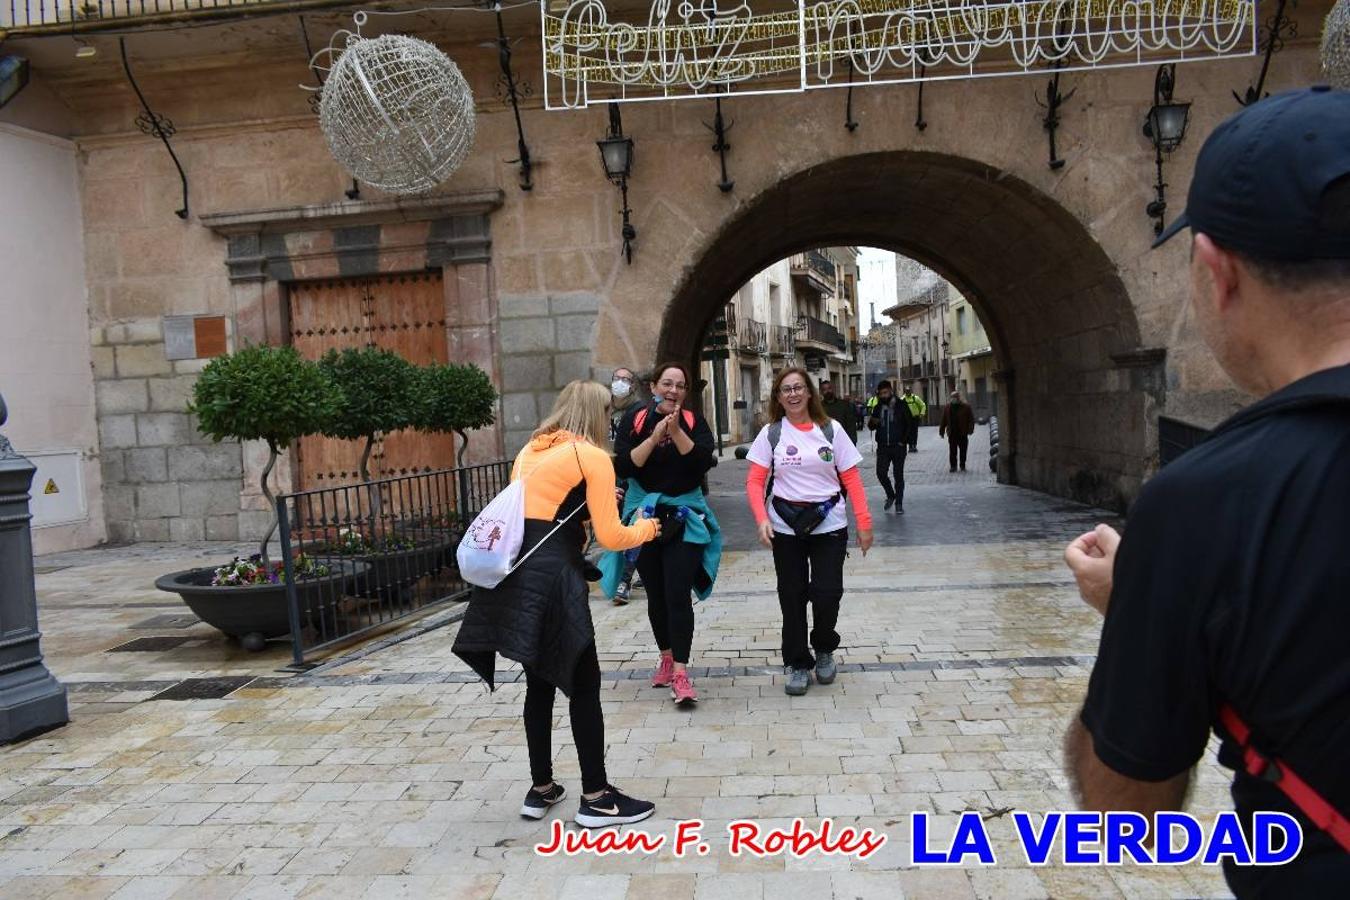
813,466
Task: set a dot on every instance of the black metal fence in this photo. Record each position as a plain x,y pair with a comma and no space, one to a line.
1176,437
22,14
363,555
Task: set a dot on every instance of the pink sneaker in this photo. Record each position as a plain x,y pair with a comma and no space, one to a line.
682,689
664,672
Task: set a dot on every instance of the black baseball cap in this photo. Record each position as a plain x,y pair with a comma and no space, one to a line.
1263,179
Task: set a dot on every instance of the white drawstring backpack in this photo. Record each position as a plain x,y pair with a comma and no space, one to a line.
487,552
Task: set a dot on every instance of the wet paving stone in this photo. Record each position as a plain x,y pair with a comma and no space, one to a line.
391,770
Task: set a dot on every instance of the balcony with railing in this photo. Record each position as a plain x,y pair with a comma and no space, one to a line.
813,271
753,336
820,334
19,16
782,340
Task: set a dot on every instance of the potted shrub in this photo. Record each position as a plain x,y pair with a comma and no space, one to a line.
455,398
379,395
270,394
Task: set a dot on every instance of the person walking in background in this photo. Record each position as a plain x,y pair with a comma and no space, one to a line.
919,410
890,422
539,615
958,423
807,468
840,409
664,450
624,396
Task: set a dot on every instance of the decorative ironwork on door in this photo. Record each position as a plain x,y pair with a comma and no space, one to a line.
404,313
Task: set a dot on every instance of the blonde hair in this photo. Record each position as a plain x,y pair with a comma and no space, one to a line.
581,408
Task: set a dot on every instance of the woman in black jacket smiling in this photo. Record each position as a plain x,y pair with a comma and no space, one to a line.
665,449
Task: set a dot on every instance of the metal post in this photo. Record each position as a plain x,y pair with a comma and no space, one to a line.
719,396
292,591
31,699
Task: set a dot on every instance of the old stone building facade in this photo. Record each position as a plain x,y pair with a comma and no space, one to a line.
1089,328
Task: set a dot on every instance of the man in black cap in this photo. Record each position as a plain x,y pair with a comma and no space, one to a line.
1227,601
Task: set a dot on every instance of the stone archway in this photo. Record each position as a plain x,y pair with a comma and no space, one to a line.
1078,394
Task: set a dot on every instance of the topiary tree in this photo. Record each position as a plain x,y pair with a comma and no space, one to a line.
379,390
270,394
455,398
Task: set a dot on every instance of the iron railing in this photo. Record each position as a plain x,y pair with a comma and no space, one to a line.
388,547
822,332
782,340
821,263
20,15
753,336
1176,437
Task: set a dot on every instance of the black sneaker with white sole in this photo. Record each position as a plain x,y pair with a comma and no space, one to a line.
537,805
613,808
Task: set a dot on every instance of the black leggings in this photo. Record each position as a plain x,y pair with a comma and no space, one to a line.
668,572
588,724
810,571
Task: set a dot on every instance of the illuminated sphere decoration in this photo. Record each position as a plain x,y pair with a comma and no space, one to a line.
397,113
1336,45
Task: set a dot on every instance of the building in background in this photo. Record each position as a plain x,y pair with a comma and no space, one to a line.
970,352
921,333
801,311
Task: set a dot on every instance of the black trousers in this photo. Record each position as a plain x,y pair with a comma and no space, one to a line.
810,571
668,572
957,446
588,724
888,458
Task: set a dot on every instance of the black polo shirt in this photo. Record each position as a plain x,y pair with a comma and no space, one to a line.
1232,582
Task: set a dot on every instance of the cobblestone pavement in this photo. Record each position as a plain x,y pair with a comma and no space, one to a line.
392,774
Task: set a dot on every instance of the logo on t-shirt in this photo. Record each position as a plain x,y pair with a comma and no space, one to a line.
791,456
826,453
790,450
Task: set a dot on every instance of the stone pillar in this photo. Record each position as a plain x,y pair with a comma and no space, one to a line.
31,700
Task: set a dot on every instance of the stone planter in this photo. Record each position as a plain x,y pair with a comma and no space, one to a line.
254,613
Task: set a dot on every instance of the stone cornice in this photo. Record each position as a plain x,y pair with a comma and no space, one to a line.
349,213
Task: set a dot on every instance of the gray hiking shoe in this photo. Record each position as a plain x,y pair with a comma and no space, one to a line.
798,681
825,668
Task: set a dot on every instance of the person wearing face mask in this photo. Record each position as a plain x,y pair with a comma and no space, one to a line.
891,422
664,450
623,397
804,467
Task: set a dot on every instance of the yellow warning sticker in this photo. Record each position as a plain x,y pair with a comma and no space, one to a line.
51,487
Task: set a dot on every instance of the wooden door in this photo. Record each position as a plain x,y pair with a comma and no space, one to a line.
403,313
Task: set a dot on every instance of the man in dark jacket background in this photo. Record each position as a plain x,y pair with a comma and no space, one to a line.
840,409
891,420
958,424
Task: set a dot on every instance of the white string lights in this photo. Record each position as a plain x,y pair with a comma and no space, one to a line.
396,111
697,48
1336,45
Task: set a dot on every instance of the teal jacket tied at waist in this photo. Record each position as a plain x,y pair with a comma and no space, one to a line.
700,528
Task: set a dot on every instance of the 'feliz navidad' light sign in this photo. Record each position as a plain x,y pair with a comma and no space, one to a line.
700,48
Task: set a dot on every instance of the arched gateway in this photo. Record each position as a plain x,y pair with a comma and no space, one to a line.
1060,320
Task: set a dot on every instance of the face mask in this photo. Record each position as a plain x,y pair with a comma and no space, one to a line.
620,388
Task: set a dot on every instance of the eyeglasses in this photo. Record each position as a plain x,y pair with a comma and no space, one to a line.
672,385
792,389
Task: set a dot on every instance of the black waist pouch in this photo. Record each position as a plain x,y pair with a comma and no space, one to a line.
672,526
802,518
